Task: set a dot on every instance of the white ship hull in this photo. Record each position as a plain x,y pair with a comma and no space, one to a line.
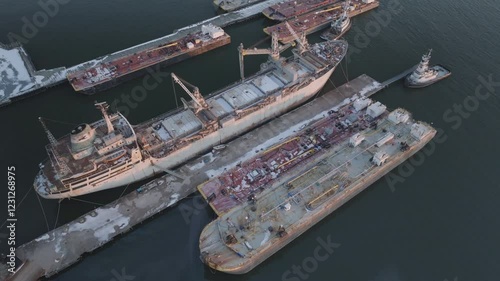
150,166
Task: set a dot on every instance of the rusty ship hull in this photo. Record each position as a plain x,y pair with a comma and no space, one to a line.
142,63
259,219
317,20
289,9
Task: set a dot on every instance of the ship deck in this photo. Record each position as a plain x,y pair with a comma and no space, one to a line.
160,134
317,20
108,71
169,128
45,256
245,182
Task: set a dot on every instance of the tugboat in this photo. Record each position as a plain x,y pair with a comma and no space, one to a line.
340,26
424,75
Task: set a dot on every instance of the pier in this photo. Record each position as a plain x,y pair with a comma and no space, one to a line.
60,248
29,81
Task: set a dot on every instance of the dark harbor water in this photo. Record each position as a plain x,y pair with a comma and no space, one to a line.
434,219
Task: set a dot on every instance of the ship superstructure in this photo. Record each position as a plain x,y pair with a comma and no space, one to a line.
269,200
319,19
111,152
424,75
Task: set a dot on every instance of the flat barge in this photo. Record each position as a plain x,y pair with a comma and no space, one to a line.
317,20
108,74
266,202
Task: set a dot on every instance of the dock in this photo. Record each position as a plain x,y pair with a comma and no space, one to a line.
19,76
398,77
60,248
23,80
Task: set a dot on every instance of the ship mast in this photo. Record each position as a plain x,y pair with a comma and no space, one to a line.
103,106
53,143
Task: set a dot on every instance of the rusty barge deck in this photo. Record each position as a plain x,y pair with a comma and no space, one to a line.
107,74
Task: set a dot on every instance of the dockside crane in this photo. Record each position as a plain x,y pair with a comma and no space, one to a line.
274,52
302,40
200,102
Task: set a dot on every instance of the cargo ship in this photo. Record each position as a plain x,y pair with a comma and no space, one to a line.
269,200
108,74
231,5
111,152
293,8
424,75
317,20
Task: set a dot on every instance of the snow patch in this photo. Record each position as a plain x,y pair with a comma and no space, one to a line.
43,237
103,224
375,85
173,199
266,238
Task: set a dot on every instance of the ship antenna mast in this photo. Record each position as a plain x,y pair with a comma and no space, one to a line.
53,143
103,106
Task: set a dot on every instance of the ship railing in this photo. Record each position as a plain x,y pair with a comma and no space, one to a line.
90,180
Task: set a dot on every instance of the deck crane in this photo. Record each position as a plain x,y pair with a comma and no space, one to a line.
198,99
302,40
274,52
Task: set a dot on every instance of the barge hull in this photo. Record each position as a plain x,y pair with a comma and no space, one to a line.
152,68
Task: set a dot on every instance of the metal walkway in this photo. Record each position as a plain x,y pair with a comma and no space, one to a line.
398,77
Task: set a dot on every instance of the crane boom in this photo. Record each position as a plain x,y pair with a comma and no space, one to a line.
195,95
